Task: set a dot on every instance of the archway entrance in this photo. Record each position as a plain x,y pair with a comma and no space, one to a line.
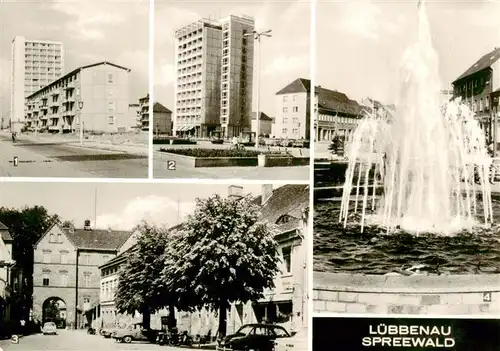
54,310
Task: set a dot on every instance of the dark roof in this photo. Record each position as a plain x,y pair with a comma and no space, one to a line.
299,85
288,200
263,116
157,107
336,102
97,239
484,62
76,70
4,231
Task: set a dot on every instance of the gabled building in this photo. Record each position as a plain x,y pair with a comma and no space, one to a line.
479,87
66,268
265,125
6,264
292,115
162,119
335,114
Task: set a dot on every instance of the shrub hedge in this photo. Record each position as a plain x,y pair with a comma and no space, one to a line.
220,152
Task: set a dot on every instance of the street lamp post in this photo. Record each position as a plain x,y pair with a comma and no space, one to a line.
257,36
80,107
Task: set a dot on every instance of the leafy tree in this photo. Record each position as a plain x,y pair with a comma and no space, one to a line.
140,285
26,226
222,255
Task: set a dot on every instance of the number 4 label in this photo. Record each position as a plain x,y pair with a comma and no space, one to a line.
487,297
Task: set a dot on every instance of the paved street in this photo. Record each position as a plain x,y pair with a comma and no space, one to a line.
68,340
65,159
160,170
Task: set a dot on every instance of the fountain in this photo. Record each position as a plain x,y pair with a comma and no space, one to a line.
416,196
427,158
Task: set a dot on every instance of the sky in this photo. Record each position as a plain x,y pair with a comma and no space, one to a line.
91,31
117,205
284,57
360,43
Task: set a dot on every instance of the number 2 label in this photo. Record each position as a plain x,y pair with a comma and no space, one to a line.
171,165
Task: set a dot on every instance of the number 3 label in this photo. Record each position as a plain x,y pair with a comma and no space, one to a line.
487,297
171,165
15,339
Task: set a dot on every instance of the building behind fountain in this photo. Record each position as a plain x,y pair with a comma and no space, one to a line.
479,87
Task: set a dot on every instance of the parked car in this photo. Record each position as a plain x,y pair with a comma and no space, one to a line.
256,337
49,328
298,342
134,332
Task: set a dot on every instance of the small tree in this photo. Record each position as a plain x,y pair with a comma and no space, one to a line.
222,255
140,286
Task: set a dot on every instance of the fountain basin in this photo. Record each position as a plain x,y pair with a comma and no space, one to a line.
347,250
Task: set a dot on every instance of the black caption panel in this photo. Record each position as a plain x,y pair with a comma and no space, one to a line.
356,334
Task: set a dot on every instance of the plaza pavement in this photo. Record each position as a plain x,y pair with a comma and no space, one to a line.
79,340
63,157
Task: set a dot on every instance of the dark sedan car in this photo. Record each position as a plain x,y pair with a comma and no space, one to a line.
253,337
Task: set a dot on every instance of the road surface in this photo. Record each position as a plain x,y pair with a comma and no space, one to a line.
53,159
68,340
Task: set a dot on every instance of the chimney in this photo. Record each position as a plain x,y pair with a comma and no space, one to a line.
86,225
235,192
267,191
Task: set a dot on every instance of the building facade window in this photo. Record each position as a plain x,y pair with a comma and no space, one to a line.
45,281
64,257
295,109
111,120
294,98
59,238
110,78
285,98
46,256
285,109
287,259
51,238
64,278
86,279
86,259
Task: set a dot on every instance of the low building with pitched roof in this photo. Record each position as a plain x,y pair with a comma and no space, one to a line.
66,268
335,114
265,125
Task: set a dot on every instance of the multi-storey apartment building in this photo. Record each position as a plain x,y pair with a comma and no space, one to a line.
35,63
293,111
214,68
97,94
144,112
479,87
66,262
